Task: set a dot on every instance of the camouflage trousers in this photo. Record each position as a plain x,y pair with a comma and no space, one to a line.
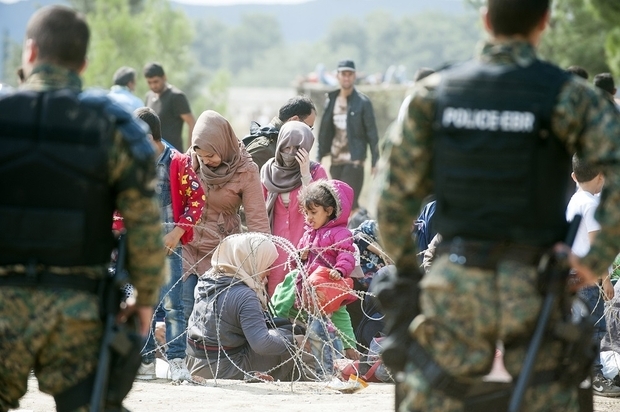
465,311
56,333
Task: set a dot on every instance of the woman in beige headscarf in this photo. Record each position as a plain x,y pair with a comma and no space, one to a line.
230,179
227,334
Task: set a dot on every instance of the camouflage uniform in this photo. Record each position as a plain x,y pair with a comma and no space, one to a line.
57,332
465,310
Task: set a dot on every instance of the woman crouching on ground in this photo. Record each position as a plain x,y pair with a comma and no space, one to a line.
228,337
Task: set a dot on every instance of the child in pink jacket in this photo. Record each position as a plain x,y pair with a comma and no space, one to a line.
326,242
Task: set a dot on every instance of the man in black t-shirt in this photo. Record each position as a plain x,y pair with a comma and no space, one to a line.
170,104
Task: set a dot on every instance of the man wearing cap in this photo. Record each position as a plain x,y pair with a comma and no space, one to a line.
122,91
170,104
347,129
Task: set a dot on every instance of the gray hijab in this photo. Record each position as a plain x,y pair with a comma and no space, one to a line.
278,175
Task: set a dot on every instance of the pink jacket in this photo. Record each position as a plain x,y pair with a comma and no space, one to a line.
289,223
332,244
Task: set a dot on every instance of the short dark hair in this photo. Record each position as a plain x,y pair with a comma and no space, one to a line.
153,70
317,194
61,35
148,116
511,17
300,106
578,71
124,76
584,171
606,82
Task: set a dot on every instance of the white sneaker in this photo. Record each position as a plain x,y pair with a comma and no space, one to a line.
146,371
178,370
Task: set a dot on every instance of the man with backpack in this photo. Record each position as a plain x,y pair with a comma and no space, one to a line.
261,142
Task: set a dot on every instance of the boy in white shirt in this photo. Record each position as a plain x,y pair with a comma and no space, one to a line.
584,202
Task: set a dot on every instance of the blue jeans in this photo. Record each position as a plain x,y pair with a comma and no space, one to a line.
188,295
593,298
325,345
171,302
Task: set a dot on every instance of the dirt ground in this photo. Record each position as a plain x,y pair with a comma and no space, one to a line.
160,395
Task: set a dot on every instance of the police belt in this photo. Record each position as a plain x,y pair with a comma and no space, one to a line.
440,380
487,254
52,280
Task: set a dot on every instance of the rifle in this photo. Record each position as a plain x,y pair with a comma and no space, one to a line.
556,265
112,340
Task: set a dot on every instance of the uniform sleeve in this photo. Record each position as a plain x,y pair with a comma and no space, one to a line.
134,183
254,203
193,194
405,177
590,125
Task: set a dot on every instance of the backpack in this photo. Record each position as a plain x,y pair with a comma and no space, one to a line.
261,143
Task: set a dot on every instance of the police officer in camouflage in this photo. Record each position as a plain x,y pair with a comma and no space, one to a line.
493,139
68,159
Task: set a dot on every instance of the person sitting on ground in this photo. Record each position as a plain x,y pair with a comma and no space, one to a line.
227,336
372,258
610,344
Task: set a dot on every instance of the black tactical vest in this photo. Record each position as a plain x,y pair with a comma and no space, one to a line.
500,173
55,200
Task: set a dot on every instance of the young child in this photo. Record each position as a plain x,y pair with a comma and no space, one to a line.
327,242
181,199
584,202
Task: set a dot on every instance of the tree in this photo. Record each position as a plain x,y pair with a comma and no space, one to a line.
382,30
210,44
609,11
12,52
347,37
575,36
249,41
89,6
435,39
133,34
